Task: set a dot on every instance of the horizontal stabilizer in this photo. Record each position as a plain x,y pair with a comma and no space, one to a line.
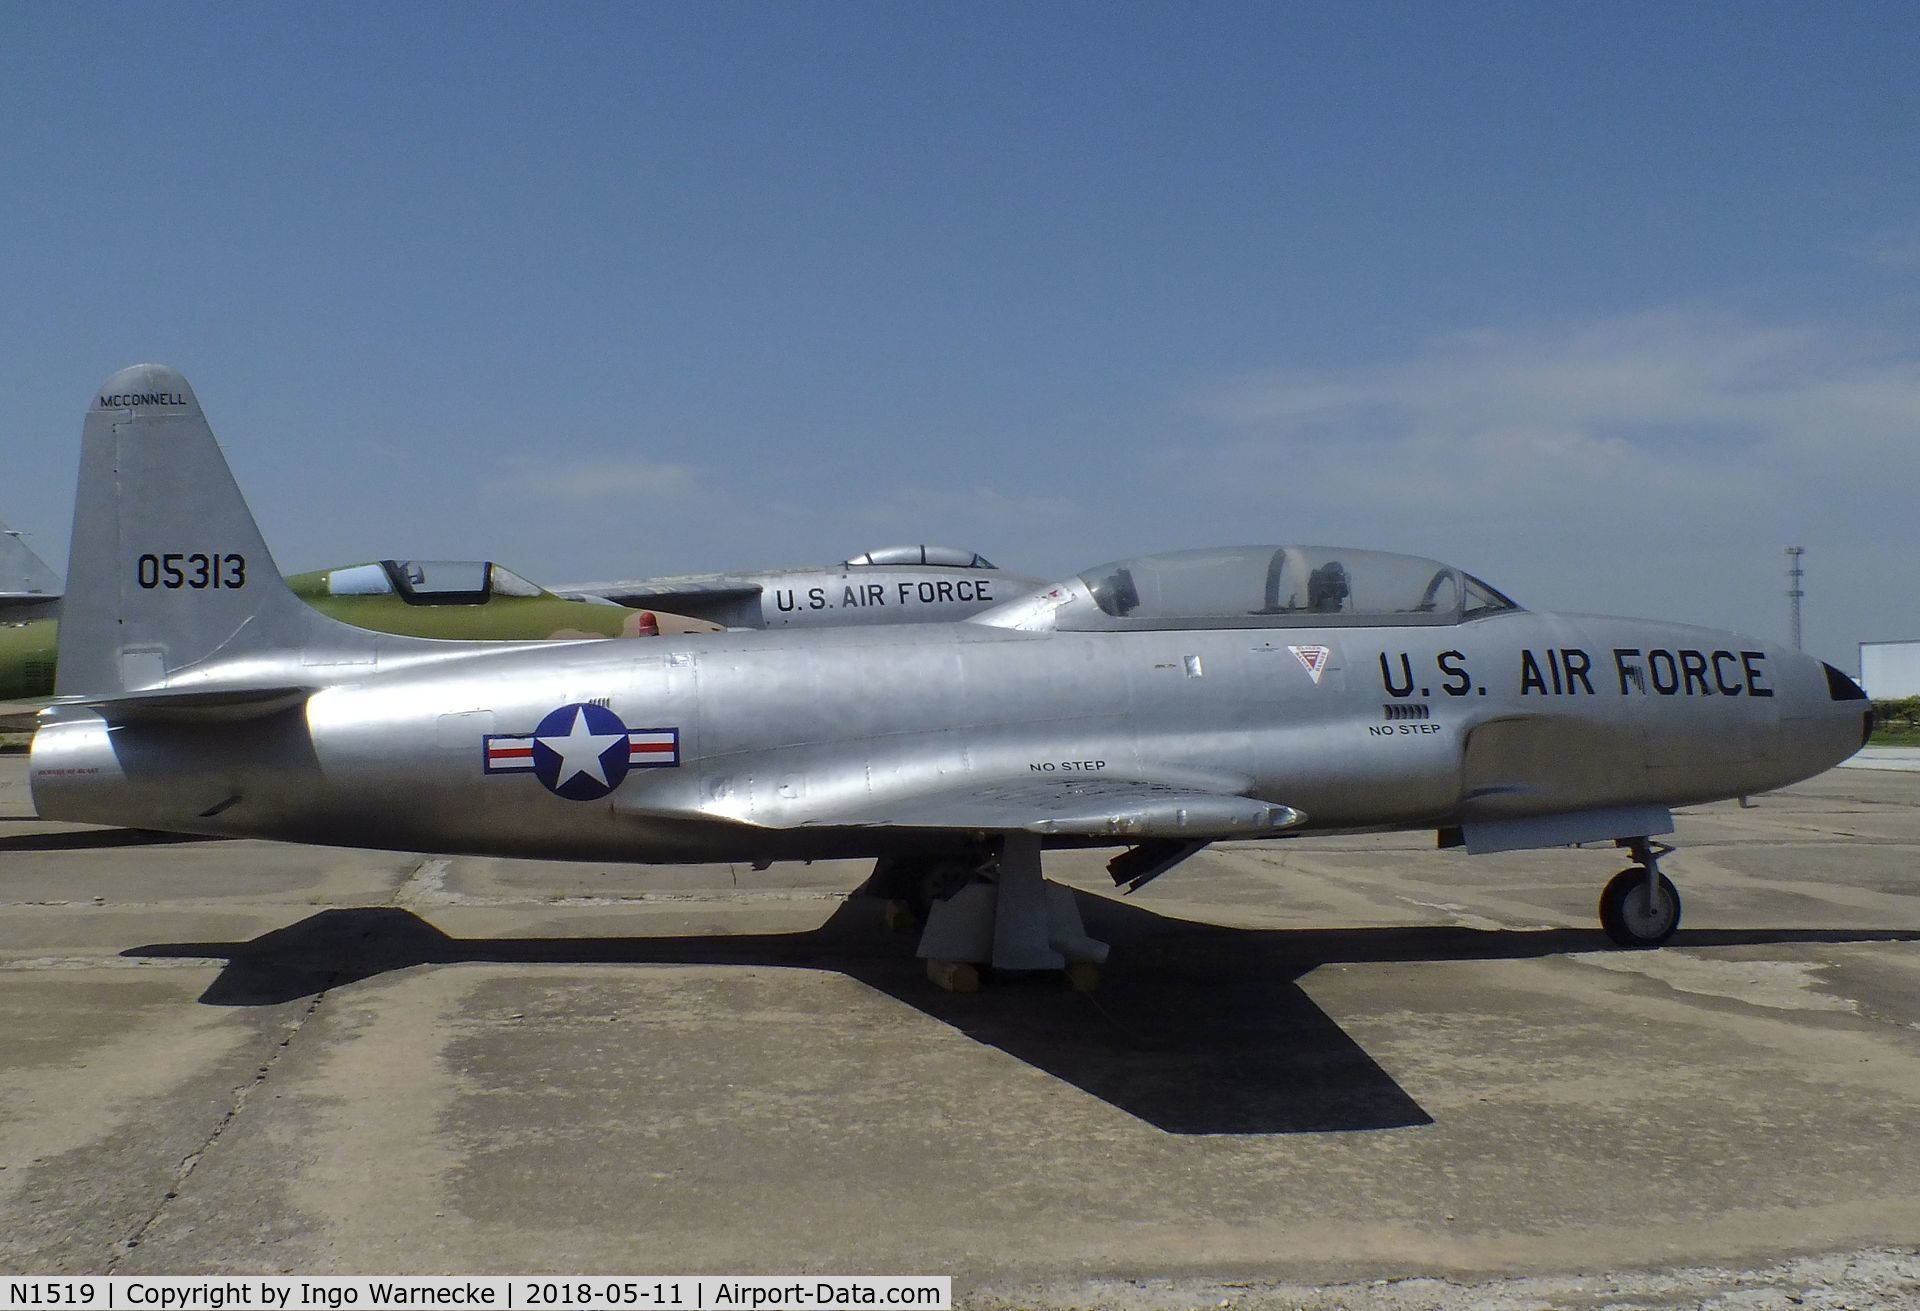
208,705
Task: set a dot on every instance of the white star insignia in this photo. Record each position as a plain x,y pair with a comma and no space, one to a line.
580,751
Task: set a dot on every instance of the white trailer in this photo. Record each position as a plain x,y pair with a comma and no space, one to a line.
1890,670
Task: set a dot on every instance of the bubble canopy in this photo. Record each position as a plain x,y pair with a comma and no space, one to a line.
430,582
1273,587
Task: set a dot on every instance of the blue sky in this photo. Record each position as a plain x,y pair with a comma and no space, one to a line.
1608,303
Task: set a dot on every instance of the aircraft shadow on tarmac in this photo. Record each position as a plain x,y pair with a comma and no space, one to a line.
95,839
1197,1028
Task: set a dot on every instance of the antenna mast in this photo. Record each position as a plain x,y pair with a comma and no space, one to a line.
1794,591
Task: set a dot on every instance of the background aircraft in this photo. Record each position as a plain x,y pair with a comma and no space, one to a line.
1156,704
470,600
29,600
28,589
897,585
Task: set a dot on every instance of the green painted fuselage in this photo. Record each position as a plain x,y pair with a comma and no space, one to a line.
497,618
27,653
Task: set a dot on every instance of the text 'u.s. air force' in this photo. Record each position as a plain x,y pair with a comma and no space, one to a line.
1571,671
872,596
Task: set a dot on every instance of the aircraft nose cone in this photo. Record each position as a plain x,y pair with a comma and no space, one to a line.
1824,716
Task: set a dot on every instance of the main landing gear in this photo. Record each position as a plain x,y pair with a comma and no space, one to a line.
1640,907
985,905
989,906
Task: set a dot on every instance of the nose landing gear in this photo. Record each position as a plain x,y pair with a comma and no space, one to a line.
1640,907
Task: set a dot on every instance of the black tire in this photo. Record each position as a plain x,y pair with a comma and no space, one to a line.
1626,917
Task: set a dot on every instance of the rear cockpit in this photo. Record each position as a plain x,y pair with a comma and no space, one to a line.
1258,587
946,557
428,582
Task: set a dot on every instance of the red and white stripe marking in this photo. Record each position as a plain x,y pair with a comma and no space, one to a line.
653,748
506,754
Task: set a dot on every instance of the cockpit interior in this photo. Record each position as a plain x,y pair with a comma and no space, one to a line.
431,582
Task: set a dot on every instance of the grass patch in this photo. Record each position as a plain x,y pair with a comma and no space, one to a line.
1896,723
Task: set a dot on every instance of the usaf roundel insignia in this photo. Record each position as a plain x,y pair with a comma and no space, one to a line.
582,751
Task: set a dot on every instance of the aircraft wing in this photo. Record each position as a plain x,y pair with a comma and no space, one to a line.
663,593
206,705
1120,808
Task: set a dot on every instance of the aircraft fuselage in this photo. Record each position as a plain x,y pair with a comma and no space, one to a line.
1507,716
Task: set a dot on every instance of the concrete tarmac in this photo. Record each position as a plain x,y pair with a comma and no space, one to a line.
1312,1065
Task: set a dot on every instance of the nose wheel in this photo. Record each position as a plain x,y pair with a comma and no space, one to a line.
1640,907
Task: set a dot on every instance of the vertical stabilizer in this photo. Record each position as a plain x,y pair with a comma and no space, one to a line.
167,572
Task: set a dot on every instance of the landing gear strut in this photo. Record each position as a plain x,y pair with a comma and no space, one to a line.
1640,907
995,909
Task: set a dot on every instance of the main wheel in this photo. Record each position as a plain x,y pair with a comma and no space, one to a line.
1628,917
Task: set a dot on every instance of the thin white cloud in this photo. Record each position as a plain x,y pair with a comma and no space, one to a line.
1897,251
585,479
1676,402
961,506
1648,463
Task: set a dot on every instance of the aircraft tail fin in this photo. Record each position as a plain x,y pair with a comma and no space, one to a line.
24,576
168,574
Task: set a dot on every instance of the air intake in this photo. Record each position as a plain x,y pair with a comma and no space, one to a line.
1840,687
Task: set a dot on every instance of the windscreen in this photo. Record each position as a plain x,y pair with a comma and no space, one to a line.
359,580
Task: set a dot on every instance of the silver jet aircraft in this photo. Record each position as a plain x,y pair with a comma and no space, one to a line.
1153,705
898,585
